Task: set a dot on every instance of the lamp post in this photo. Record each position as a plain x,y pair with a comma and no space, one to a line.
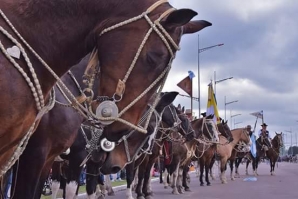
290,131
227,103
199,78
234,116
218,81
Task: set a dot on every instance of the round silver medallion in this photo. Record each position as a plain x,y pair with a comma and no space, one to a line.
107,109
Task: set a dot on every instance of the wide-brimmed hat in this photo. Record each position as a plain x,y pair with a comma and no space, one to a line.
264,124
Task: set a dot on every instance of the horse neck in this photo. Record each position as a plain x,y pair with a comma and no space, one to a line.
275,144
237,136
62,32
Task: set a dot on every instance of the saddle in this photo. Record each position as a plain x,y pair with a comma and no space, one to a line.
167,151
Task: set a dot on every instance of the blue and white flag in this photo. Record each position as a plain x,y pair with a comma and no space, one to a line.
253,147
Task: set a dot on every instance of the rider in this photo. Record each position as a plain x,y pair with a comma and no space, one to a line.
253,139
248,128
264,134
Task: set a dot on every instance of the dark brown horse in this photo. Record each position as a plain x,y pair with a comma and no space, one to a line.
273,152
78,152
181,154
63,33
174,120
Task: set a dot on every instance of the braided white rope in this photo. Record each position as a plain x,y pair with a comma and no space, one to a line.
35,89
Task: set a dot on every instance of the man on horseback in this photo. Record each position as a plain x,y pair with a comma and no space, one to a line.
265,136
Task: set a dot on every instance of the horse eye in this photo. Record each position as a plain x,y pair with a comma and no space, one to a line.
154,58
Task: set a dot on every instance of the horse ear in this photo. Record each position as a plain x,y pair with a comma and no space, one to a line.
165,100
195,26
183,109
275,133
178,18
179,107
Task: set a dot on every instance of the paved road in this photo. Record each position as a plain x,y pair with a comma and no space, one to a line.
281,186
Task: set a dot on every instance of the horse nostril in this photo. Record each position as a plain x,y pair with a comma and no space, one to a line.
115,169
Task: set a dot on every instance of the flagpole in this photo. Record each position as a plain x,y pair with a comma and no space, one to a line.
199,79
191,102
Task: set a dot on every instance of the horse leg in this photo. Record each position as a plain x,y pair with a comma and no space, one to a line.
246,168
101,188
108,185
184,178
202,171
211,166
207,166
140,187
91,179
175,177
223,164
147,180
179,180
256,165
27,171
129,179
231,168
74,172
197,168
271,166
166,173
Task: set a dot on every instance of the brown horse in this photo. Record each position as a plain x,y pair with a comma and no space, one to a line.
206,150
181,154
273,152
63,33
224,149
177,122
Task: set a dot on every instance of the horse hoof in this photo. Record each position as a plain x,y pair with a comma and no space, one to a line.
149,197
111,193
175,192
224,182
140,197
232,179
187,189
165,187
202,184
208,184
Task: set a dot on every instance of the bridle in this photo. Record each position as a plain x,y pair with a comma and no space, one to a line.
104,116
202,138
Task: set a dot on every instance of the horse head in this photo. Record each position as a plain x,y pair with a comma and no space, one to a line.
185,129
278,138
135,57
224,129
206,128
129,147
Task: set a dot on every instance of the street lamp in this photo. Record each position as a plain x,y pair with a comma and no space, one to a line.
227,103
199,78
290,131
234,116
218,81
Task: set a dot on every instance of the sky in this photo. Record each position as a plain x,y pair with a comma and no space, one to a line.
259,52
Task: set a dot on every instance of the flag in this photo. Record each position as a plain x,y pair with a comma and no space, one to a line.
258,114
253,147
186,83
211,105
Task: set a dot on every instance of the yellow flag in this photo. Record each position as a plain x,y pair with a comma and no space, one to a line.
212,106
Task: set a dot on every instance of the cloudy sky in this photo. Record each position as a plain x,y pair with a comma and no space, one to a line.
259,52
